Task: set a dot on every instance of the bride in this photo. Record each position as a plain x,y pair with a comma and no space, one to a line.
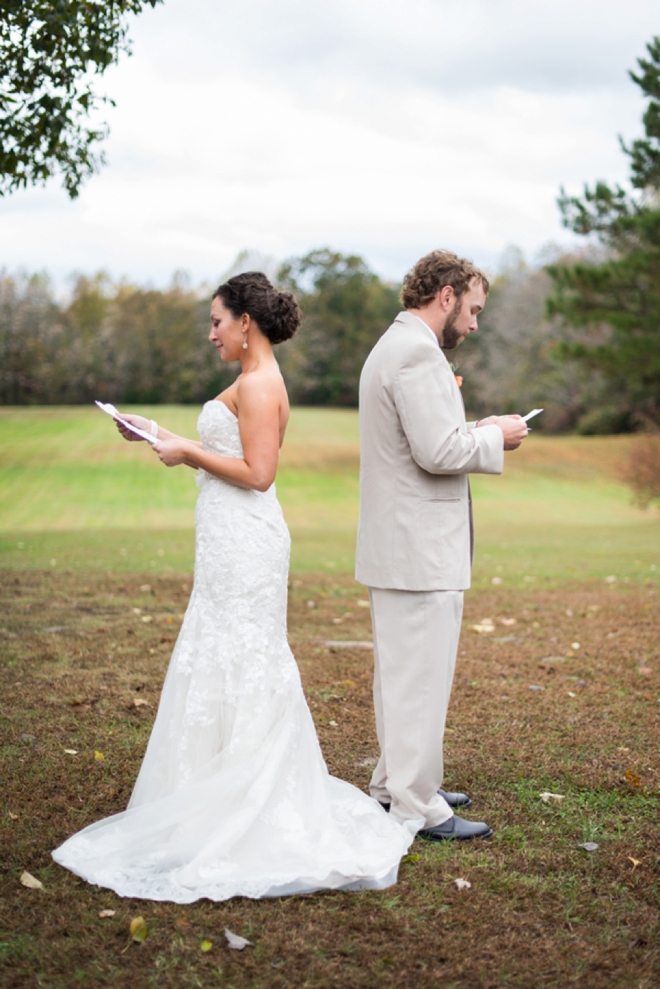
233,797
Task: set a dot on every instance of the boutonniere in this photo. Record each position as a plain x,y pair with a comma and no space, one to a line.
457,377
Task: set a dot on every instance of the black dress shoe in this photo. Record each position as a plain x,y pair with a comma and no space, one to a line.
453,799
456,829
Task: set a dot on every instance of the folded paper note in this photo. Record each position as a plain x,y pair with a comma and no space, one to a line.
116,415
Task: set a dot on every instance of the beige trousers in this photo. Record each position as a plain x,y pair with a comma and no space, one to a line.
415,643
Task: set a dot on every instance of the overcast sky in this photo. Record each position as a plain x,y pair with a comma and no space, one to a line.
383,127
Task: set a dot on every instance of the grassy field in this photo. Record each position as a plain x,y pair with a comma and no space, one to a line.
557,691
72,492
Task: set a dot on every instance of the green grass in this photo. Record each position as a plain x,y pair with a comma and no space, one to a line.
72,492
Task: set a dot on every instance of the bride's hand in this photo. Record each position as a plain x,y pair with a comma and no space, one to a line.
172,452
138,421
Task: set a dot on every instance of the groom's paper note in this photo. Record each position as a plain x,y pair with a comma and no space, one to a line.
530,415
112,411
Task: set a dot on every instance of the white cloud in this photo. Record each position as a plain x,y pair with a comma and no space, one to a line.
383,127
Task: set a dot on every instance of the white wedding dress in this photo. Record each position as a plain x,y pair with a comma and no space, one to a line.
233,797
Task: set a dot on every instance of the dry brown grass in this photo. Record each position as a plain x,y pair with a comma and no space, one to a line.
641,469
541,912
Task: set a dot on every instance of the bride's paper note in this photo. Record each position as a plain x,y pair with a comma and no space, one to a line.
531,414
112,411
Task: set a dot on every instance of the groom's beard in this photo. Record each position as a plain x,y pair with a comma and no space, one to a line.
451,337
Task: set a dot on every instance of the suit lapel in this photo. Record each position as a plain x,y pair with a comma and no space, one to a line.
414,324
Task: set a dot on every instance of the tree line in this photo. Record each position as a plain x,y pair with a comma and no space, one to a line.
132,345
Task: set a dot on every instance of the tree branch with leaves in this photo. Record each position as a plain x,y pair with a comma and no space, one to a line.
50,54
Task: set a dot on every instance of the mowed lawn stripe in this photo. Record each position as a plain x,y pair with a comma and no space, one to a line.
557,511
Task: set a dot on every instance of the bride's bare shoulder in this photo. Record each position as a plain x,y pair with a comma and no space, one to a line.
262,386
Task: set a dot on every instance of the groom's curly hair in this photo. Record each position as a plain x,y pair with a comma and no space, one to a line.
433,272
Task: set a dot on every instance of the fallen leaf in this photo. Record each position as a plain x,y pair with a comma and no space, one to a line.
632,778
145,587
99,756
107,913
182,924
12,817
575,645
207,945
570,693
71,751
140,702
482,628
147,618
546,797
411,858
31,882
462,884
362,604
508,621
235,941
589,846
138,929
534,686
635,862
333,723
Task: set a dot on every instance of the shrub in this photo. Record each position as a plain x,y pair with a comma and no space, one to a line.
641,471
605,421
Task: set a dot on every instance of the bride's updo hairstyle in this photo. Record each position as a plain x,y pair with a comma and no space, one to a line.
276,313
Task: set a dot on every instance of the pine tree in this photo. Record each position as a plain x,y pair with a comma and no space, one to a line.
617,301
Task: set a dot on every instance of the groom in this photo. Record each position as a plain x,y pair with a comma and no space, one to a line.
415,535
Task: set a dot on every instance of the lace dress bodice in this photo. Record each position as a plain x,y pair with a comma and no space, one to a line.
218,430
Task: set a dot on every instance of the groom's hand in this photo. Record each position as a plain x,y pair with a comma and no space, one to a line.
514,429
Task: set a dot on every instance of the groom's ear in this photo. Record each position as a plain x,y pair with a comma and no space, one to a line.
446,297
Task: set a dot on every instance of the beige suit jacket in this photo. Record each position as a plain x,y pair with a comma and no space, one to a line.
415,531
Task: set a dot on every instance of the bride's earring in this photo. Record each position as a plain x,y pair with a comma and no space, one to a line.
245,346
